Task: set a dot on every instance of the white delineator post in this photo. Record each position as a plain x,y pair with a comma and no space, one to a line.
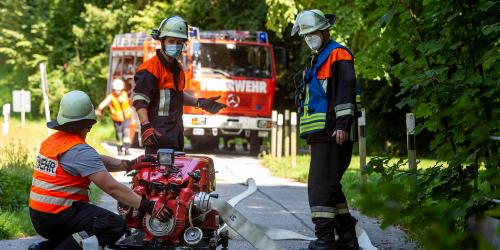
5,123
293,123
362,148
274,119
410,138
279,148
287,132
45,92
23,109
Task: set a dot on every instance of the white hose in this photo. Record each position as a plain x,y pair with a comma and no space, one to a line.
245,228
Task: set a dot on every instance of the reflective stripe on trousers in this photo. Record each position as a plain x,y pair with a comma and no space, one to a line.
323,212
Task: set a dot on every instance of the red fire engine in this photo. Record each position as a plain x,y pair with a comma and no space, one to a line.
237,65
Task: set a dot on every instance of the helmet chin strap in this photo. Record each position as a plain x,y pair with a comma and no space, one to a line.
324,40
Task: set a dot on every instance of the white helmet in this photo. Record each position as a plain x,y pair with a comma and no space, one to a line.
308,21
118,84
174,26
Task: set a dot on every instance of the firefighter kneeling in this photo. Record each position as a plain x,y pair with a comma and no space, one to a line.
65,167
121,114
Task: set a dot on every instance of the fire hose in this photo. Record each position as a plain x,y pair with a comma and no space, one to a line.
259,236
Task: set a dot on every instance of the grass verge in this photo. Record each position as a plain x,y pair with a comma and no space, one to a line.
350,181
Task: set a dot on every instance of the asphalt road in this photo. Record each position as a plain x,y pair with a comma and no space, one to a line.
278,203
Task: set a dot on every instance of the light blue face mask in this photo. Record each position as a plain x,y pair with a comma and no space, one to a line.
173,50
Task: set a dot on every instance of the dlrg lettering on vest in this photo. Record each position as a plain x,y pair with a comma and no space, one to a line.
46,165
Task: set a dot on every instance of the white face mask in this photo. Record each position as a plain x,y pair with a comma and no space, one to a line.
313,41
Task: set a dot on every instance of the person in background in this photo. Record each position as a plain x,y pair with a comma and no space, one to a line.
121,114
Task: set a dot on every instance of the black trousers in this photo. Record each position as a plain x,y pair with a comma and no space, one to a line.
329,161
107,226
122,132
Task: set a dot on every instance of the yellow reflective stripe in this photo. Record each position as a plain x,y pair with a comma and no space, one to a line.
304,130
323,215
306,102
50,186
313,116
314,124
342,208
322,209
344,112
140,97
342,211
50,200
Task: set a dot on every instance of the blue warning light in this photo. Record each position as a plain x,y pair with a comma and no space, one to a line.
262,36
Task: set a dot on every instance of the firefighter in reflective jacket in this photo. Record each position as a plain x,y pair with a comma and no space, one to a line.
327,115
121,114
65,167
158,94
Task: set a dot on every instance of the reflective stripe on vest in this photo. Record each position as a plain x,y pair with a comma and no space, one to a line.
315,106
53,189
120,107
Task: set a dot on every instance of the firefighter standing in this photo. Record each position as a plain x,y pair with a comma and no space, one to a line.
65,167
158,93
121,114
327,113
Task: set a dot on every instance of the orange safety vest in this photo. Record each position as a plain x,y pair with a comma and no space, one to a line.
120,107
53,189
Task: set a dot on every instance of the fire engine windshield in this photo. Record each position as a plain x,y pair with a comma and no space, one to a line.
233,59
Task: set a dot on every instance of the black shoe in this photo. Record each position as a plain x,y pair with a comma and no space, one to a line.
346,230
119,149
323,244
127,152
35,246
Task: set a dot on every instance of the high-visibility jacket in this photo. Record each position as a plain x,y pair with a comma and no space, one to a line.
159,88
53,189
119,106
314,105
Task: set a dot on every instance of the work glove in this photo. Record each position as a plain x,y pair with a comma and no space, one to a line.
149,135
210,104
155,208
129,164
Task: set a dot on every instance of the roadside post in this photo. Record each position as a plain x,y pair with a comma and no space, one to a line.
293,123
362,149
410,139
287,132
21,102
5,123
274,119
45,92
280,137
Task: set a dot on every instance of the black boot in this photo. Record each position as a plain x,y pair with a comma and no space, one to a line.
43,245
324,243
346,230
325,232
35,246
119,150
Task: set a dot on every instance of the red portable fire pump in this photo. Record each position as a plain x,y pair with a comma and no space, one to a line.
184,184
